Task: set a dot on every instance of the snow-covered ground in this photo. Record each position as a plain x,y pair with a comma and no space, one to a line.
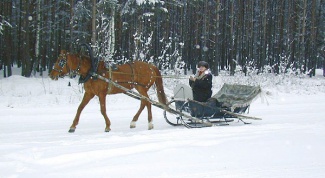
36,113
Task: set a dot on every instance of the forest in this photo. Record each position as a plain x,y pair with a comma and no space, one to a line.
278,36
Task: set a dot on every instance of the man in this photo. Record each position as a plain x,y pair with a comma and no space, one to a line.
201,83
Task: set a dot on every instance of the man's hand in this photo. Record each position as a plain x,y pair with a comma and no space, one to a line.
192,78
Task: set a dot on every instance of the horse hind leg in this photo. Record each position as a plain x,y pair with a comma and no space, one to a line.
136,116
150,124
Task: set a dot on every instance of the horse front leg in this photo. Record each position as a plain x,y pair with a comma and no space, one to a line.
102,101
85,100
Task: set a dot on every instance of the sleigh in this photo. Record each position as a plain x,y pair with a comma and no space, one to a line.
231,103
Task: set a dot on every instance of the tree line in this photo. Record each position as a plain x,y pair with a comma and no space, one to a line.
235,35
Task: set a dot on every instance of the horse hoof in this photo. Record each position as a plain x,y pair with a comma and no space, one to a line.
107,129
133,125
150,126
71,130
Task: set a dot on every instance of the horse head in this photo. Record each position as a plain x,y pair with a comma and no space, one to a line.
60,67
70,64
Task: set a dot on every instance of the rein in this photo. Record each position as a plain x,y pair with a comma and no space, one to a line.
162,76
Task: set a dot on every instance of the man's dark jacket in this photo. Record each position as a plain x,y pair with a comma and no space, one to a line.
202,87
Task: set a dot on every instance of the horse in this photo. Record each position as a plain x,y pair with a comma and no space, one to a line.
138,75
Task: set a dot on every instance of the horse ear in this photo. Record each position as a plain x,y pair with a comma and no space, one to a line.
63,52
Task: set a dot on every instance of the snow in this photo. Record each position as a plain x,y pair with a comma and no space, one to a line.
139,2
37,112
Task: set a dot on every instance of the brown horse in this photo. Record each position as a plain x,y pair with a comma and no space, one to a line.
138,75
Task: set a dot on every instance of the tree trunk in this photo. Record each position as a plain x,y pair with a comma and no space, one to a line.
7,40
232,40
93,26
313,47
217,41
281,29
37,40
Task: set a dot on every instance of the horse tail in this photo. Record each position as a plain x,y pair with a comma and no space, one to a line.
160,87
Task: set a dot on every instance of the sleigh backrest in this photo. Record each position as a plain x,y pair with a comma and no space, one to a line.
237,96
182,92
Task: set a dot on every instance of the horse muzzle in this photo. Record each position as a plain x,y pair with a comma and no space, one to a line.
53,77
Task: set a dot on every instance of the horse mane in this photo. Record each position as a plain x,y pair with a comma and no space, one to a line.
82,56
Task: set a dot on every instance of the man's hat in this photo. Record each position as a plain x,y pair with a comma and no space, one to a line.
203,64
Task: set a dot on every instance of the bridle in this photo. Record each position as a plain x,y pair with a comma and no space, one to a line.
63,63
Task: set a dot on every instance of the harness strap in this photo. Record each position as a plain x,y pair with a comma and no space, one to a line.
132,74
109,88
